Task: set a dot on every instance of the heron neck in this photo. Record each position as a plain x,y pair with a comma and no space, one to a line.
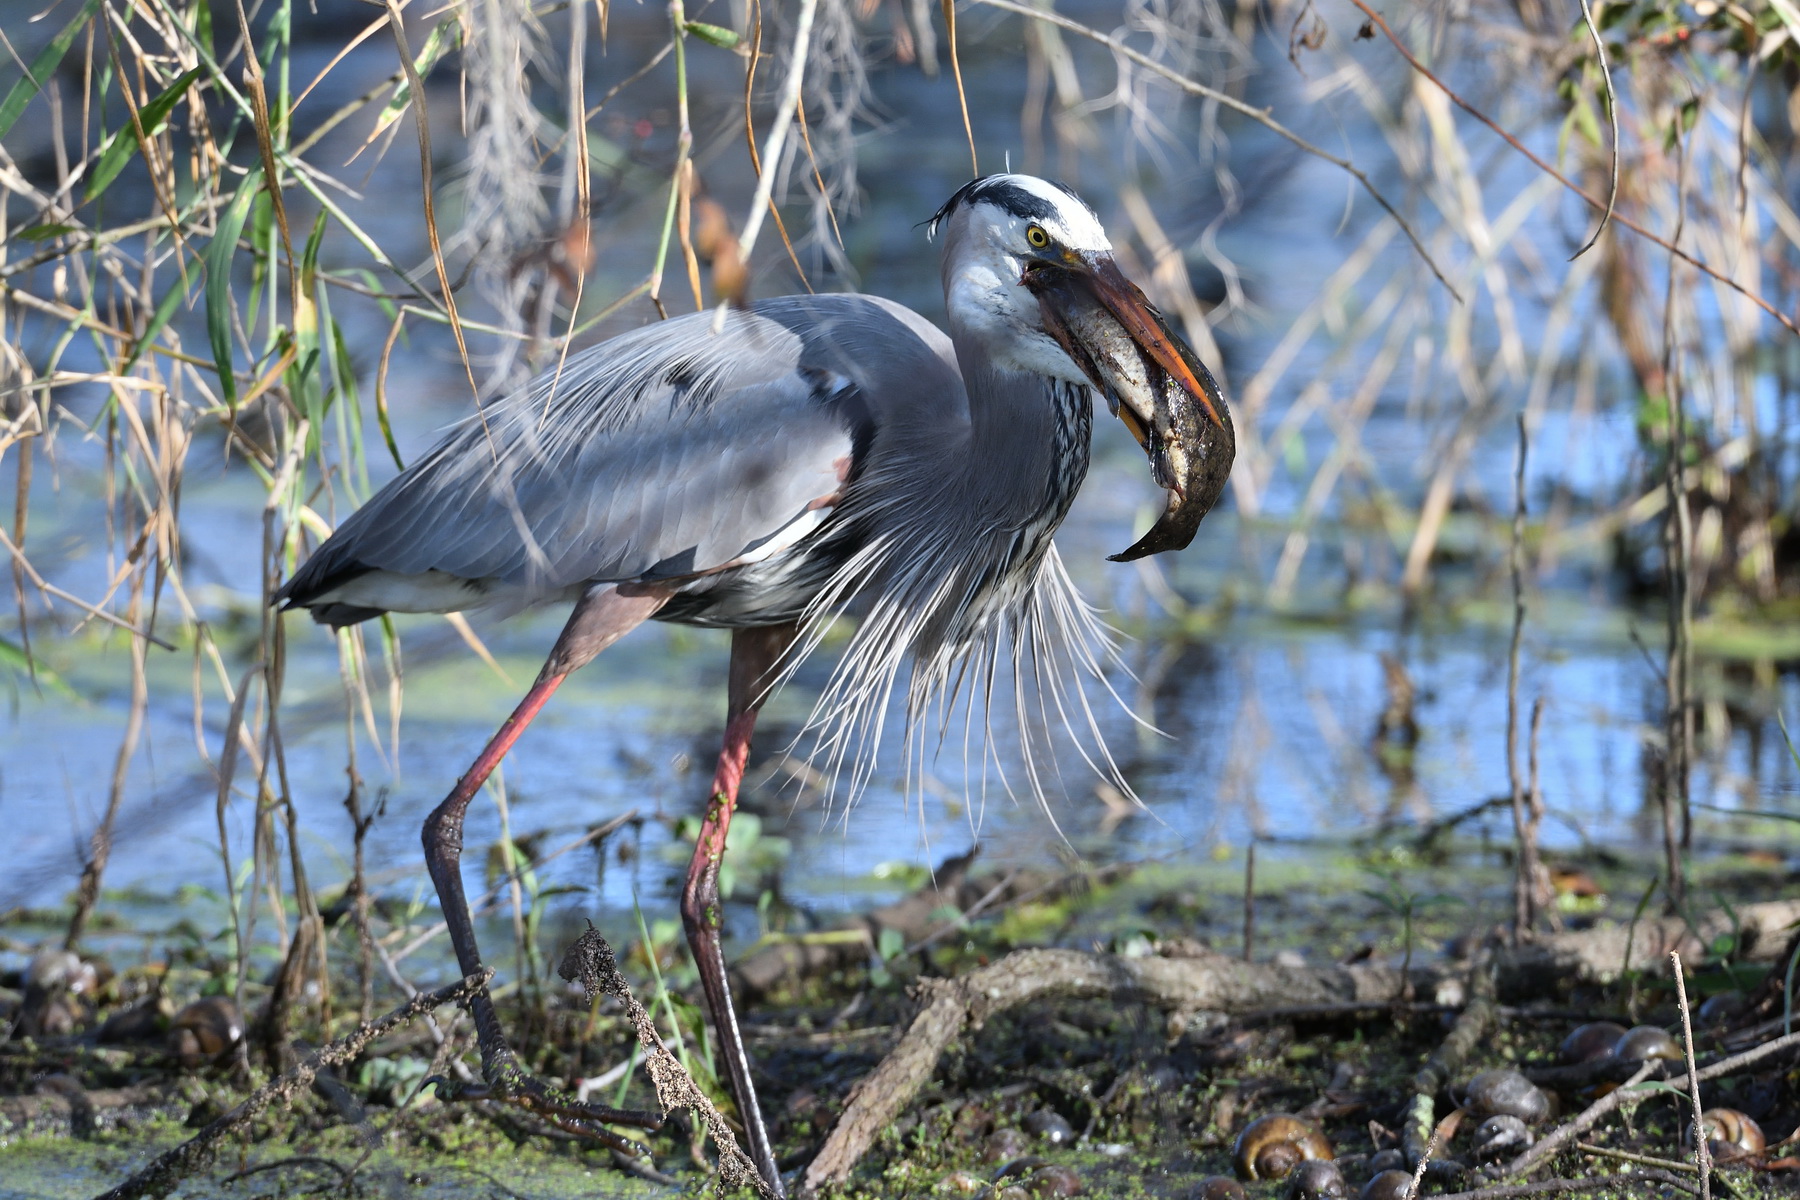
1029,436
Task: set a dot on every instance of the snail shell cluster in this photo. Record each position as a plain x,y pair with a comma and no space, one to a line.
203,1031
1730,1135
1505,1092
1647,1041
1270,1147
1388,1185
1317,1179
1590,1042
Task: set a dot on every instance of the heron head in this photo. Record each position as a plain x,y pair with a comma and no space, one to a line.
995,228
1029,274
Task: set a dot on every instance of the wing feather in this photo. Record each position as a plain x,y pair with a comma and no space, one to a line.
666,451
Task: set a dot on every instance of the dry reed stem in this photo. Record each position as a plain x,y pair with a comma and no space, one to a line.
1612,116
1702,1154
422,121
1677,532
1525,866
784,117
1376,19
1193,87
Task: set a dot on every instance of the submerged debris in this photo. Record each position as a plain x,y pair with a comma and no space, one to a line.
205,1032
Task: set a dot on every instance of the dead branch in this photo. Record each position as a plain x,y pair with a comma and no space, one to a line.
590,962
169,1168
1599,955
917,917
60,1105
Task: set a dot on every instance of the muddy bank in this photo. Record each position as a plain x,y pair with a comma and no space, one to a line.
1050,1031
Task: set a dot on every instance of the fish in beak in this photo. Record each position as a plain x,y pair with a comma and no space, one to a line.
1151,380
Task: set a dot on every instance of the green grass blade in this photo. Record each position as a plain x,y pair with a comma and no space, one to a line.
43,233
438,43
124,141
219,254
165,311
20,94
13,656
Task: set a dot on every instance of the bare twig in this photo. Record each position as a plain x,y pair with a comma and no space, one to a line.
1260,116
962,97
1524,839
778,131
1420,1132
1643,1160
1612,117
1702,1155
1631,1183
1582,1122
1431,1145
1249,899
50,589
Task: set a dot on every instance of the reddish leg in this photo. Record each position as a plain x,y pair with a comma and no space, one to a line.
601,618
754,654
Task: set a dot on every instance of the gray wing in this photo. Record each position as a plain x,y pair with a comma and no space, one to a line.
668,451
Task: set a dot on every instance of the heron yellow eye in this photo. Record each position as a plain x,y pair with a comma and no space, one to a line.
1036,236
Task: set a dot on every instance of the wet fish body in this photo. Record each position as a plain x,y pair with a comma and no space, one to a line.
1188,438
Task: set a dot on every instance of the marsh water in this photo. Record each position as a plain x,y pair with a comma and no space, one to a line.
1236,719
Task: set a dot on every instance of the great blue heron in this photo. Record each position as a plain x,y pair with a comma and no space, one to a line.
764,473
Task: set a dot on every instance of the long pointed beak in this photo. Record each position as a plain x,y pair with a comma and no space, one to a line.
1152,381
1154,338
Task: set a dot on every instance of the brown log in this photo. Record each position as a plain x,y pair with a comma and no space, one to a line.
1597,955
